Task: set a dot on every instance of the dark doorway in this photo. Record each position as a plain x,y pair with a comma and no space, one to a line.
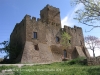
74,54
65,53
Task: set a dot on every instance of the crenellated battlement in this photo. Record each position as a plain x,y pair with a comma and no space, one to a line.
50,7
76,27
50,14
34,18
31,21
43,21
72,29
53,8
28,17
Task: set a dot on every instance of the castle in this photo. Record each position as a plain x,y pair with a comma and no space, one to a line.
38,41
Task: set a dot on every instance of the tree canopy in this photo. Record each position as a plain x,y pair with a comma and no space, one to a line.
5,48
89,14
92,43
65,38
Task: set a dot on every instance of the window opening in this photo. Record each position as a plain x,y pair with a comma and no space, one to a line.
36,47
57,39
35,35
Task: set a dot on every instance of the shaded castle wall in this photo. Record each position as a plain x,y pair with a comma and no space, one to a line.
17,40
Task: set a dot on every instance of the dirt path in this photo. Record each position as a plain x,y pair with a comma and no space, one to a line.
20,65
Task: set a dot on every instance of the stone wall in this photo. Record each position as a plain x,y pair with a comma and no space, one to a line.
46,36
30,55
77,38
47,33
17,40
93,61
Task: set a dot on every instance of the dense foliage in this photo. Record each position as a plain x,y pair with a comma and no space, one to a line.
65,38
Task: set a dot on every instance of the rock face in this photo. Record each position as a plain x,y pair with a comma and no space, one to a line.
38,41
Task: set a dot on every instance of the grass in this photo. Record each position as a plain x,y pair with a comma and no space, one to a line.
58,68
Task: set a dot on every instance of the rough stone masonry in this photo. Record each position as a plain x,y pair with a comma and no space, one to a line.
38,40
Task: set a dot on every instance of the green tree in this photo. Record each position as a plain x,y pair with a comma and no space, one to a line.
65,39
5,47
89,14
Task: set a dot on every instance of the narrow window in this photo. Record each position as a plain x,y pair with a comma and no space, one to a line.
57,39
65,54
69,41
35,35
36,47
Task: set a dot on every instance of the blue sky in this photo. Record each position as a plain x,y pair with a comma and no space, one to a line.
13,11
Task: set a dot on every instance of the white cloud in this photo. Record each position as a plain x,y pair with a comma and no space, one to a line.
68,20
65,21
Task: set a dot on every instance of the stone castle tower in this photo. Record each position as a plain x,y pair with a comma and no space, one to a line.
38,41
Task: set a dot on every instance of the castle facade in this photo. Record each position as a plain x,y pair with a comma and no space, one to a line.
39,40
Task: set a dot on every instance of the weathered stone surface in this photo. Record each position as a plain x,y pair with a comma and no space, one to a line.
93,60
86,52
48,27
45,53
57,52
79,51
30,55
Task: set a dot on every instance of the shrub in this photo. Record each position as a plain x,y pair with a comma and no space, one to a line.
79,60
